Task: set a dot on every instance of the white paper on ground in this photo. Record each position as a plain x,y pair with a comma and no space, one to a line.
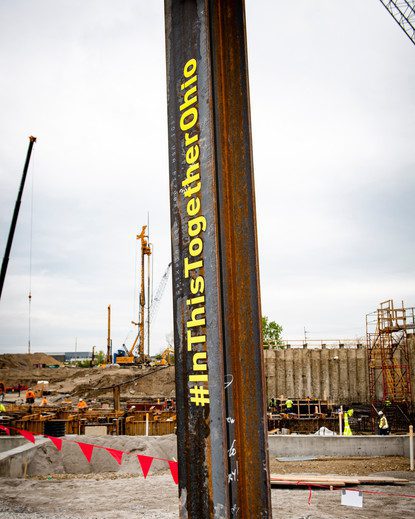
352,498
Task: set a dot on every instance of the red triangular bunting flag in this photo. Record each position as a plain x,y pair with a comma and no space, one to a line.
116,454
56,441
145,462
174,469
5,429
26,434
87,449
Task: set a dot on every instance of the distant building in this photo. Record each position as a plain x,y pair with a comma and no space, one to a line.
76,356
72,356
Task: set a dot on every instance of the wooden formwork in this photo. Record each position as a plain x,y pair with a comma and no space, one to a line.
33,423
159,423
138,428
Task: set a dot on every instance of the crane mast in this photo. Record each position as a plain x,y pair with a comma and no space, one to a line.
145,251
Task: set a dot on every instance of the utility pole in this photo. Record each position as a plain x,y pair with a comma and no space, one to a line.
5,262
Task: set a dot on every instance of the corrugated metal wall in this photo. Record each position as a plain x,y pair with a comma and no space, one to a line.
337,374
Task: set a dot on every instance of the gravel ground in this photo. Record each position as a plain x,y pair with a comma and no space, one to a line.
122,496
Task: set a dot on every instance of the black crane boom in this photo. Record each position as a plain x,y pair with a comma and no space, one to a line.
5,263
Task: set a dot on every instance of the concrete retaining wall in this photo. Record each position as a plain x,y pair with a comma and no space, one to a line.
14,463
337,446
11,442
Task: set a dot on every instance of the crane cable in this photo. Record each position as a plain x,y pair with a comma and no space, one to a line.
30,254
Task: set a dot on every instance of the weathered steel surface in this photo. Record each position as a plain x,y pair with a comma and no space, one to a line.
201,431
223,466
239,260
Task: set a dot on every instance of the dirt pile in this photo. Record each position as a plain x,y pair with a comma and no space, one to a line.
96,383
27,360
91,383
71,460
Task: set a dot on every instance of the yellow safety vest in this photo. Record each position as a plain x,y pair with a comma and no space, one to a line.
347,431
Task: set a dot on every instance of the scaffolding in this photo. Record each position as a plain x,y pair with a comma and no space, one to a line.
389,331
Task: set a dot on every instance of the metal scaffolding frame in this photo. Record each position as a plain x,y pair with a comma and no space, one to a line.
389,331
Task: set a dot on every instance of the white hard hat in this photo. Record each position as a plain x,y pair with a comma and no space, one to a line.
380,413
80,399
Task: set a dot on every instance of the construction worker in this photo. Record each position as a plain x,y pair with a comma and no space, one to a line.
289,406
347,431
130,411
2,408
30,396
82,405
44,401
383,424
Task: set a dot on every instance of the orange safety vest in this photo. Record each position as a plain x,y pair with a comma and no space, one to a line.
30,394
82,404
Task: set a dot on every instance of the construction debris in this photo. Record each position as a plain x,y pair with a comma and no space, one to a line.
332,480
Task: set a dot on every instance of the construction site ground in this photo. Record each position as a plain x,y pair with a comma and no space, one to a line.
344,466
122,496
100,494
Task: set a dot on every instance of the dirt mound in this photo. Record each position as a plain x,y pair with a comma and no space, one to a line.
91,383
27,360
71,460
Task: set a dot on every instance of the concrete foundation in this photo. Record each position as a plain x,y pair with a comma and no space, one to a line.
337,446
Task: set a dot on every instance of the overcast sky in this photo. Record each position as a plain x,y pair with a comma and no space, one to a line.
333,119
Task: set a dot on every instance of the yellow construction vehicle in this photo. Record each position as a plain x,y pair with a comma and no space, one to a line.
166,358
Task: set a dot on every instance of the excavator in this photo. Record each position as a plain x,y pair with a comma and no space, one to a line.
166,357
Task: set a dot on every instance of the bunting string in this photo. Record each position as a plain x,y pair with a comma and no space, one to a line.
88,448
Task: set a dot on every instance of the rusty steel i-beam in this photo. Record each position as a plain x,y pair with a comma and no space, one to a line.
221,420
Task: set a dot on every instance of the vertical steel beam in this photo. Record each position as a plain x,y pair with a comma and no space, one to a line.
222,449
239,262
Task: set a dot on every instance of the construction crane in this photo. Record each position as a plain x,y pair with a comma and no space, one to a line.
403,11
129,356
5,263
159,294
